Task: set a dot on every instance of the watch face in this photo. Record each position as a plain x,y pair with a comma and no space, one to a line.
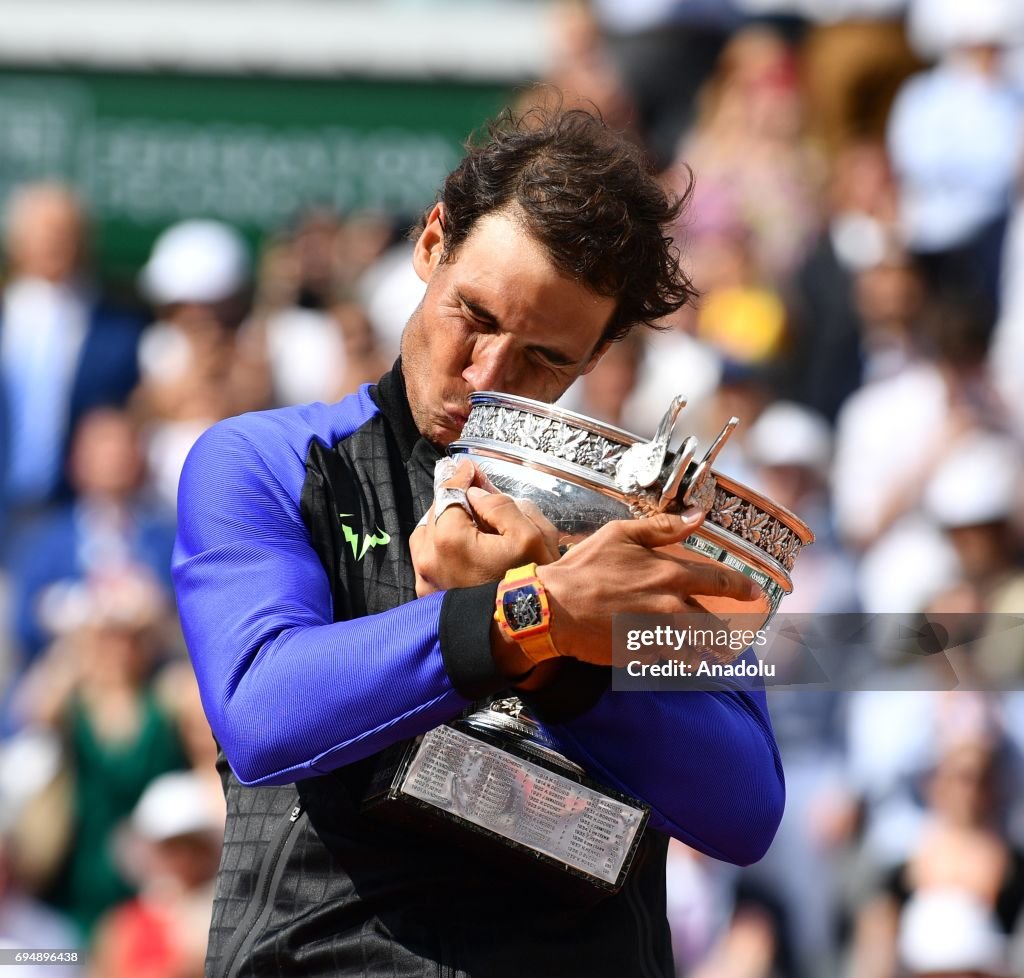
522,608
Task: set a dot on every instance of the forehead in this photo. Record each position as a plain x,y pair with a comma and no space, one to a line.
503,267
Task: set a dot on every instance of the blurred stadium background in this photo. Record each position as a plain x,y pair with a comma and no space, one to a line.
205,207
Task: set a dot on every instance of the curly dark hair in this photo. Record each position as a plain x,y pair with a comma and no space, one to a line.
588,196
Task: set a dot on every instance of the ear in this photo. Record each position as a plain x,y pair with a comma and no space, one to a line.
430,245
596,356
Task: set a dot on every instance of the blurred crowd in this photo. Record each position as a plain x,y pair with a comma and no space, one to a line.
856,230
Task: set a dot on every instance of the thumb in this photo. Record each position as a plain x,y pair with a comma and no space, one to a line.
463,476
497,511
664,529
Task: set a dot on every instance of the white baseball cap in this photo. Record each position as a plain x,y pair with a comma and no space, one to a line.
979,482
174,805
195,261
786,433
939,26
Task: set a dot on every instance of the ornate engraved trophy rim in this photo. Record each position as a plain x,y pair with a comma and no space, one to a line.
531,458
780,512
556,413
603,481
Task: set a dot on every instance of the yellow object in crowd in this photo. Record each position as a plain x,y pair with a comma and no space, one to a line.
745,323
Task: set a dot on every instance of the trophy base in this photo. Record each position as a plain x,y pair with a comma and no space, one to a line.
490,777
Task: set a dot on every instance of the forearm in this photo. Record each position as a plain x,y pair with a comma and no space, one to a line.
289,695
313,698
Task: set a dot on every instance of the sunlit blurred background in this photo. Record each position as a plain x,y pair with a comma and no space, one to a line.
205,211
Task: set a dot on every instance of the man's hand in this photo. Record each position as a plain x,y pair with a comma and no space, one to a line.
455,551
619,570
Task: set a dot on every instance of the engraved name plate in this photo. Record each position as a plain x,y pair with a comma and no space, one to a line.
526,803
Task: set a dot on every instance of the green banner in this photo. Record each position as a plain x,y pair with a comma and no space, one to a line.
148,150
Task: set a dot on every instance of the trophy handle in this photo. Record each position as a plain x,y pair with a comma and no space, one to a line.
698,480
695,491
641,464
668,421
683,460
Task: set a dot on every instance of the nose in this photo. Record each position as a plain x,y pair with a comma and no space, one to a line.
490,366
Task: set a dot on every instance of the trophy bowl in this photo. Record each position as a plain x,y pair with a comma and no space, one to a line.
582,473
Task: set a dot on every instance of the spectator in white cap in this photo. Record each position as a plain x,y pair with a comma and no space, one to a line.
194,368
976,497
796,440
196,261
173,848
939,27
195,279
789,447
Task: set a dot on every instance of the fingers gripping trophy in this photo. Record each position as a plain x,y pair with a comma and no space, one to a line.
495,776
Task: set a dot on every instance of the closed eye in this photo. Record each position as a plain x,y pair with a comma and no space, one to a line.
482,319
553,358
482,325
485,321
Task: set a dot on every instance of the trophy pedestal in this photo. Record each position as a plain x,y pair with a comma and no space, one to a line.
491,776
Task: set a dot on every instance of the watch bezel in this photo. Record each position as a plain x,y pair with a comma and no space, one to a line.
507,592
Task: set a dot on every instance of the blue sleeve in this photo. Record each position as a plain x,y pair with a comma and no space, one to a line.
706,762
290,693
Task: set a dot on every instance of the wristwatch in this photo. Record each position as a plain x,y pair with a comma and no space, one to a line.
523,613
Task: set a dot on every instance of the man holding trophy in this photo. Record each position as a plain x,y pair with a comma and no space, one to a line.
338,609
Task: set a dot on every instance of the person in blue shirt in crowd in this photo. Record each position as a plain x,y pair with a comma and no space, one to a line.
548,243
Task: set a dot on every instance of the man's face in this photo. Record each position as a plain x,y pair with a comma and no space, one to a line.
45,238
500,316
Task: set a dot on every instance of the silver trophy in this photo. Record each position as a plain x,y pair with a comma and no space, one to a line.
496,773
